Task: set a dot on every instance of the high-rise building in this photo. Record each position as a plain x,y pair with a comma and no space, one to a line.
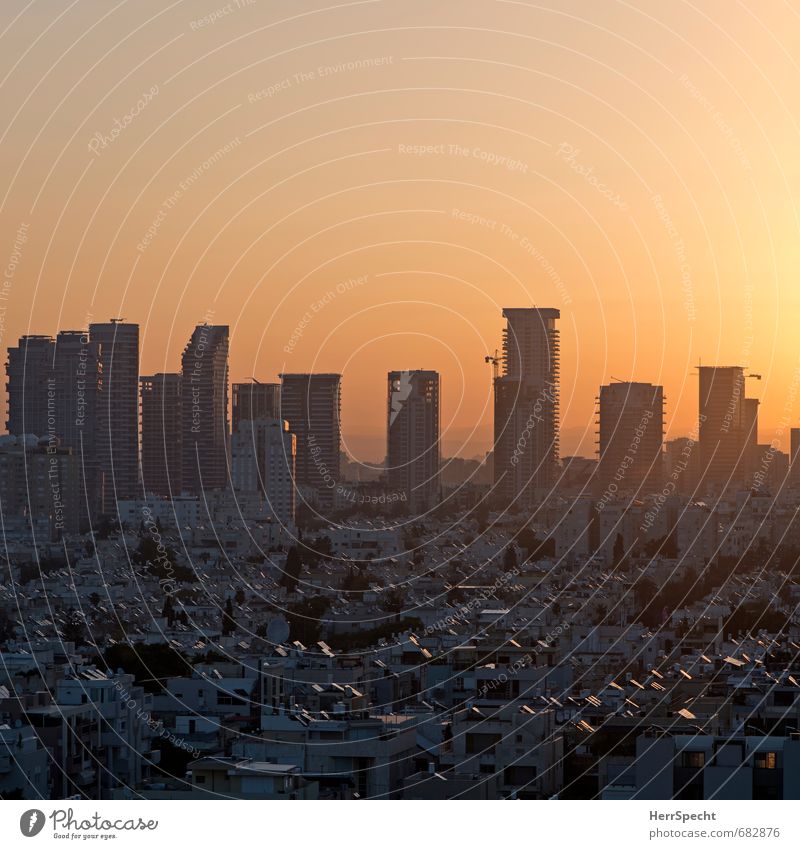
263,453
28,368
750,437
117,411
73,395
40,482
311,403
631,438
794,458
413,449
162,434
204,410
255,401
680,465
526,407
722,428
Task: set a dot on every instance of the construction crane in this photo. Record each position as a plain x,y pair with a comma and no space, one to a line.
495,360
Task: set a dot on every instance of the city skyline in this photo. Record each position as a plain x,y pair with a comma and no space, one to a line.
679,271
476,448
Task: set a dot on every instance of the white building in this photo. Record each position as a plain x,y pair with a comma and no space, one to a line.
263,455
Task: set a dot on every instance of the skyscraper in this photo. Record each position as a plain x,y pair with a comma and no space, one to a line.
722,427
28,368
255,401
412,437
526,407
631,438
118,411
794,458
73,398
162,434
263,453
204,410
311,403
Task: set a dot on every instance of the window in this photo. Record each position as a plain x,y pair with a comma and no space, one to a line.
693,760
200,779
766,760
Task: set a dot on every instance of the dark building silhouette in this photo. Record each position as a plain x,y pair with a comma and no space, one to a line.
117,412
73,396
255,400
311,403
28,368
526,407
412,437
631,438
204,410
162,434
723,431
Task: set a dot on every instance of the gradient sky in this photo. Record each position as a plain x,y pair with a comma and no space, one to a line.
632,164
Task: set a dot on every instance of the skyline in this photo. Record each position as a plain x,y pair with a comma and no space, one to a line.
766,435
604,163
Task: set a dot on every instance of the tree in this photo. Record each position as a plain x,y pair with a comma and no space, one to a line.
74,629
510,558
228,622
392,600
619,550
291,571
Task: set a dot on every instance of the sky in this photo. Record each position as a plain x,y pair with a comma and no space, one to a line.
362,187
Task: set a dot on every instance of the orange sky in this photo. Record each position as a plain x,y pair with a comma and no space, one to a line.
632,165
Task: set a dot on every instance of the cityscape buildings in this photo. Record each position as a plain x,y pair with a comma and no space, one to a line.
205,440
526,397
311,403
413,449
162,433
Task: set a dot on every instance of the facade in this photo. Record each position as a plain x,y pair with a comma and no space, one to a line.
526,407
73,395
28,367
413,451
255,401
204,410
631,438
263,453
722,428
162,433
311,403
794,458
39,481
118,411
